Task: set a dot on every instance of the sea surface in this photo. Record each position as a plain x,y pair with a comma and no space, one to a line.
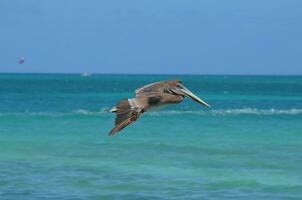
54,141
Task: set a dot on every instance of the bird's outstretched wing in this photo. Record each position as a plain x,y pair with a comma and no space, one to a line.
156,87
125,115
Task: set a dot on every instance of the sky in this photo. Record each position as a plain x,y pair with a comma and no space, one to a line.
152,36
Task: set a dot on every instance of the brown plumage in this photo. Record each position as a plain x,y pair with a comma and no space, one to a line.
149,96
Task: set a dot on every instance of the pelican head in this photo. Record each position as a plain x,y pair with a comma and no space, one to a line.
180,89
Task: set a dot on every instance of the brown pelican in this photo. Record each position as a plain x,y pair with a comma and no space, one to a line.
150,96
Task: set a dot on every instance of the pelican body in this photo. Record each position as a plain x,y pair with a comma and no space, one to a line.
150,96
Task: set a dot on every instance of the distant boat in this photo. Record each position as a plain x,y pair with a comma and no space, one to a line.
86,74
22,60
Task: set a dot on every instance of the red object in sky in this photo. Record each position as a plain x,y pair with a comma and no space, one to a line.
21,60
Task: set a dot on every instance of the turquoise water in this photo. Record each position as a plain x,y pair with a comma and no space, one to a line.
54,143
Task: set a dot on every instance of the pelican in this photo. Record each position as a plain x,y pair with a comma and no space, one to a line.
150,96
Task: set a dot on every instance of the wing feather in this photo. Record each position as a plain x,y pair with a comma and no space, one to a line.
156,87
125,115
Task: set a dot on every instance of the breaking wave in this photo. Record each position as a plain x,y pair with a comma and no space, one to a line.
256,111
214,112
239,111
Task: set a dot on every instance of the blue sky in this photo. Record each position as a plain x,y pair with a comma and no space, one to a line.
152,36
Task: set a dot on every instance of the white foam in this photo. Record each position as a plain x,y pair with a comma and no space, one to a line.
239,111
214,112
255,111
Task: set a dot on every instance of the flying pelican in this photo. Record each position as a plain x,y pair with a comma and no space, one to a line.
150,96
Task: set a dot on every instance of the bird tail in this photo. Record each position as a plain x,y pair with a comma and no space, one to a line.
122,105
113,109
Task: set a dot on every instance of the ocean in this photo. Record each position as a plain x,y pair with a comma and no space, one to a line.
54,141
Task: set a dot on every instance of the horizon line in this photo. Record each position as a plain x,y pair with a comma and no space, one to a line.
163,74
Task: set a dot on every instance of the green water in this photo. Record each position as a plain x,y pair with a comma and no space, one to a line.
54,143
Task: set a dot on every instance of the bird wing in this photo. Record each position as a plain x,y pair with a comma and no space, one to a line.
126,113
156,87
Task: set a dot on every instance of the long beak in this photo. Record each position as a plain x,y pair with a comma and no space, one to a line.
188,93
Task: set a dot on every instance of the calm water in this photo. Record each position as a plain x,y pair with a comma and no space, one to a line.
54,143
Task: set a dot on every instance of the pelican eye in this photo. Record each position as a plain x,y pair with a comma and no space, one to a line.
179,86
